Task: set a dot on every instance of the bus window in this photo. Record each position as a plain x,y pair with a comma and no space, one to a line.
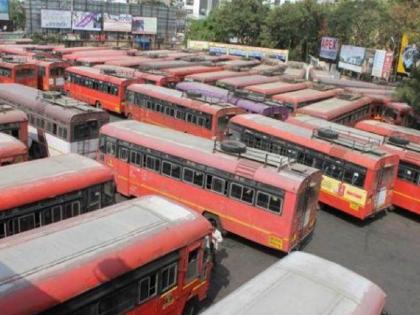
26,222
192,269
23,73
168,277
148,287
5,72
222,122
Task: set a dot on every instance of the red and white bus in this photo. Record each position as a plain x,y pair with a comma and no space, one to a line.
389,130
51,74
343,109
44,191
407,182
169,108
358,178
97,88
181,72
12,150
302,283
212,77
18,71
237,83
159,78
57,124
266,199
270,89
14,122
301,98
143,256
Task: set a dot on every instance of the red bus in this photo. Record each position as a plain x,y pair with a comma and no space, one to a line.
156,77
12,150
61,51
44,191
343,109
407,184
270,89
75,57
181,72
389,130
51,74
236,83
398,113
131,62
14,122
166,107
301,98
302,283
15,71
358,178
212,77
143,256
266,199
90,61
94,87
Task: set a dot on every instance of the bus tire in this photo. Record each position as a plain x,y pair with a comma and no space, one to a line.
191,307
327,133
98,104
233,146
398,140
215,221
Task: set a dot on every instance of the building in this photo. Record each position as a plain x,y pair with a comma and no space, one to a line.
198,9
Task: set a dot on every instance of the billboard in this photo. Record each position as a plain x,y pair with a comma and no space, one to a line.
409,55
329,48
144,25
352,58
87,21
4,10
117,23
55,19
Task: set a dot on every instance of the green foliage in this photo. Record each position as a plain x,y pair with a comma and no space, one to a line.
17,14
300,26
409,91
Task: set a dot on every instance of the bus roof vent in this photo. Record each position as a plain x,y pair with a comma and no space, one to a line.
131,53
240,93
109,71
12,59
51,95
404,143
348,96
5,107
194,95
398,140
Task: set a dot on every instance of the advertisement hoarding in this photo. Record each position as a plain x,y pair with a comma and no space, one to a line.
409,55
117,23
387,68
55,19
378,63
329,48
352,58
86,21
4,10
144,25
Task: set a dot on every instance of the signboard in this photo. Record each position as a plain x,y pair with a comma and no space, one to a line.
144,25
87,21
409,55
117,23
4,10
352,58
198,45
329,48
55,19
387,68
378,63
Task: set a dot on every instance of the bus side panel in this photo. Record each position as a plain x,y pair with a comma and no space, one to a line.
265,228
343,205
407,196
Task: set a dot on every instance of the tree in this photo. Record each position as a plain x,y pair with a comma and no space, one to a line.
409,91
17,14
200,29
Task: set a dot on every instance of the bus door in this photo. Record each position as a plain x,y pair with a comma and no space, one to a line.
305,198
385,176
123,167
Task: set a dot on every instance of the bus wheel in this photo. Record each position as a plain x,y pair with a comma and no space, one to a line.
191,307
215,221
98,104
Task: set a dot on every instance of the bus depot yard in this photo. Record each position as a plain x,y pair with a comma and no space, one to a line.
122,167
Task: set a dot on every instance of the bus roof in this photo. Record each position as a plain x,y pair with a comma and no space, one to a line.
306,95
170,95
97,74
16,64
38,267
303,284
399,106
163,64
387,130
243,81
59,107
98,59
277,87
10,146
202,151
240,63
334,107
44,178
50,62
184,71
69,50
9,114
210,77
305,136
128,61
